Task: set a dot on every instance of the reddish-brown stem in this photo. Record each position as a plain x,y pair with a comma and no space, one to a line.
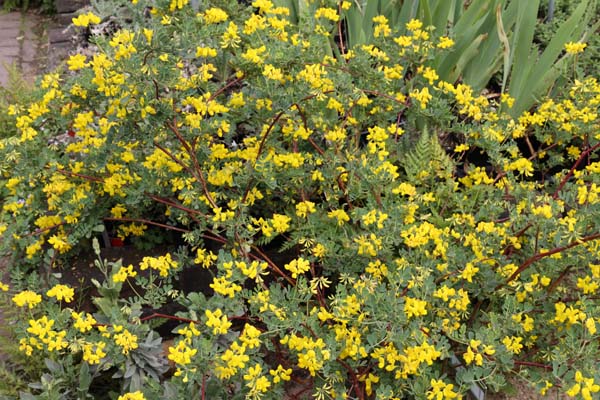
86,177
584,154
269,129
316,146
145,221
305,123
533,364
216,238
166,316
198,171
39,231
172,157
355,382
273,266
522,231
529,145
386,96
339,27
224,88
203,389
170,203
539,256
558,280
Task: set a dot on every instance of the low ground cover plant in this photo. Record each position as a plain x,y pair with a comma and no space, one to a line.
366,229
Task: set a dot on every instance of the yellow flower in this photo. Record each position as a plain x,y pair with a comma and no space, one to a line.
328,13
214,15
230,38
148,33
469,271
137,395
177,4
62,292
522,165
441,391
281,374
27,297
181,353
340,215
304,208
250,336
123,273
297,267
93,353
161,264
83,324
205,258
76,61
445,42
225,287
86,19
205,52
281,223
127,341
60,243
575,47
590,324
218,321
118,211
264,6
513,344
414,307
273,73
422,96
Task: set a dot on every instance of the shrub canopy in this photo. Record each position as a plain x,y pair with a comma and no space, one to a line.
370,230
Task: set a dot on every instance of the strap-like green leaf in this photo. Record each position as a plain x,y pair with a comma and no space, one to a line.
521,43
540,72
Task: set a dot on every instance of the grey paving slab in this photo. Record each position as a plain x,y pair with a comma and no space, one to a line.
9,52
28,51
10,21
19,44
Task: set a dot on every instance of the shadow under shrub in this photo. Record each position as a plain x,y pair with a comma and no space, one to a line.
244,134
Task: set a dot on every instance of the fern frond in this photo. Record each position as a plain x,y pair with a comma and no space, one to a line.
427,159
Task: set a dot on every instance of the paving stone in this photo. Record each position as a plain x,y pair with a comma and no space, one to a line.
67,6
59,35
10,22
30,25
4,64
9,52
65,19
28,51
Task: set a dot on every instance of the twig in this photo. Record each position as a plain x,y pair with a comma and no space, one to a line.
582,157
145,221
539,256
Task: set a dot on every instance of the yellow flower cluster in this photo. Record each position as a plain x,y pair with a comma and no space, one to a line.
27,298
162,264
312,354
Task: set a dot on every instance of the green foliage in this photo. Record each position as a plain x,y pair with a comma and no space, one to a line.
16,369
46,6
354,224
427,157
489,35
587,61
16,91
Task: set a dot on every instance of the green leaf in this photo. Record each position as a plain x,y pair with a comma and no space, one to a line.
505,47
85,378
521,57
539,75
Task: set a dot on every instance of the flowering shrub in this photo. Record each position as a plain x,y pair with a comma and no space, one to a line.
428,241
